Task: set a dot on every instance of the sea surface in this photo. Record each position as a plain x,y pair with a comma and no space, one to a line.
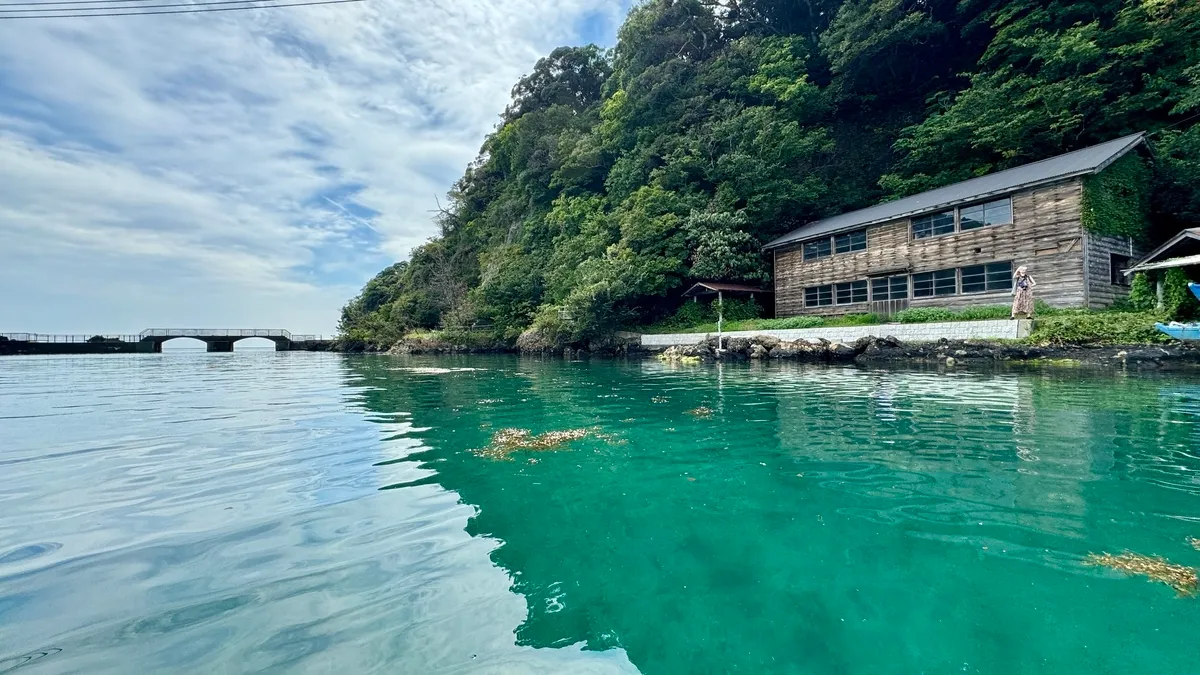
321,513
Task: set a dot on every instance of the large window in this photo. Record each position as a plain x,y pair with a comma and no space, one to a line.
851,241
889,288
1116,264
933,225
983,278
998,212
849,293
930,284
818,296
818,248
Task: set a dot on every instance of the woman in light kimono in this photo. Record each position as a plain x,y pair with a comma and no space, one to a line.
1022,293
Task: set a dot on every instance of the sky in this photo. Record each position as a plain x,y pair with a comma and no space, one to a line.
245,169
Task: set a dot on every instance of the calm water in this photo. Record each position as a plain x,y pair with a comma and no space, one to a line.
309,513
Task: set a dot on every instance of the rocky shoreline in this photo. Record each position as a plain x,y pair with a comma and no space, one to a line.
866,351
947,353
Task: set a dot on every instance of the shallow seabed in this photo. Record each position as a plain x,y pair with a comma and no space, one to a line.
320,513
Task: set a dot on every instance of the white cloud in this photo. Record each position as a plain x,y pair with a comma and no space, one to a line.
222,169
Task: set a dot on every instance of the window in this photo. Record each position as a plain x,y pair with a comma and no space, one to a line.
851,241
933,225
929,284
1117,263
818,296
889,288
854,291
982,278
818,248
979,215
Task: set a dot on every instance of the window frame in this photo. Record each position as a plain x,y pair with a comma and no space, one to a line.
957,212
817,290
850,234
866,292
987,276
1115,277
933,283
831,242
890,282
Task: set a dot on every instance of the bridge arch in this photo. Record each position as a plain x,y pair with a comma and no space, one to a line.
217,340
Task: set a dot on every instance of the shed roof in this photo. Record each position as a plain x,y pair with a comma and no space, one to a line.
713,287
1077,163
1182,250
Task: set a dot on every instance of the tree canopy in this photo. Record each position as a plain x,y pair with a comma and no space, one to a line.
616,178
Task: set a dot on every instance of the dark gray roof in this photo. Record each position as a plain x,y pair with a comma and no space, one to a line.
1078,163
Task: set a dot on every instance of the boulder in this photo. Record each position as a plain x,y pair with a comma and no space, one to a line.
841,352
758,351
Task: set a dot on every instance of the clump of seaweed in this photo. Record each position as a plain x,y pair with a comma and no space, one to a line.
702,411
507,441
1195,543
660,399
1182,579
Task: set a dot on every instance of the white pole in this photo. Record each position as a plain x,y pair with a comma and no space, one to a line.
720,317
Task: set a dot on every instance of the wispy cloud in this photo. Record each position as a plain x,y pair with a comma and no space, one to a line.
244,169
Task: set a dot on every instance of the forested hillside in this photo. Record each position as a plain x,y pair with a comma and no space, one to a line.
615,178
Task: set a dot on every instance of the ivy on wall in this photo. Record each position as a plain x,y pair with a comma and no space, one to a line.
1116,201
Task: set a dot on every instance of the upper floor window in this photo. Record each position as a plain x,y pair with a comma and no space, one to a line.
997,212
933,225
992,213
851,241
818,248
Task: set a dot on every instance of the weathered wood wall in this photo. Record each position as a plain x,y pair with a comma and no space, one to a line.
1046,235
1101,291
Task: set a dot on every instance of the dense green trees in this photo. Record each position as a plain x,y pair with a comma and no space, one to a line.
616,178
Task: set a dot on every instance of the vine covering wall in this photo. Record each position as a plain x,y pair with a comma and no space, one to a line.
1116,201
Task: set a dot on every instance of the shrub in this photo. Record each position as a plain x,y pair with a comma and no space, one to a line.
1141,293
691,314
739,310
1097,328
923,315
985,312
854,320
1178,301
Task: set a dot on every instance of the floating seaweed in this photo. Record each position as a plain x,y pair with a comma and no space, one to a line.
702,411
1182,579
660,399
1195,543
507,441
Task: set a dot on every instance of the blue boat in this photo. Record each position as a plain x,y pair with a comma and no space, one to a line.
1182,331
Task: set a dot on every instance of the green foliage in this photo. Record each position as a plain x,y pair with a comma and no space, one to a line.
1142,296
923,315
616,179
1116,201
1178,302
1097,328
740,310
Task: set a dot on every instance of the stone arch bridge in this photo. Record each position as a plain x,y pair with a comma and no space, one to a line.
152,340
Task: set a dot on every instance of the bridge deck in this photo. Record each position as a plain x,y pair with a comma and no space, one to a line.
152,339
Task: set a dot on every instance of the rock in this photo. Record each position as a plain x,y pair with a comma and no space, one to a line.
534,341
738,345
785,350
960,352
841,352
767,341
1121,355
951,362
758,352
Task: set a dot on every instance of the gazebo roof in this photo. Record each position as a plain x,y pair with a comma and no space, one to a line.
1182,250
709,287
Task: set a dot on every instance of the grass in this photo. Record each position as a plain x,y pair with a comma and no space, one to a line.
1053,326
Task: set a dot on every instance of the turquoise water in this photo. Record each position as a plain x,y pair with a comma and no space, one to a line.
312,513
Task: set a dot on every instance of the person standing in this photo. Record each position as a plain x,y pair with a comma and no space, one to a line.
1023,293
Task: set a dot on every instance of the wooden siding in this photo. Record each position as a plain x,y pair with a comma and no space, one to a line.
1046,235
1101,291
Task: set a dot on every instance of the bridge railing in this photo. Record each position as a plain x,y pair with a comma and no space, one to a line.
216,333
47,338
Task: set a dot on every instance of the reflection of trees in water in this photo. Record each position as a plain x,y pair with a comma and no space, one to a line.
829,507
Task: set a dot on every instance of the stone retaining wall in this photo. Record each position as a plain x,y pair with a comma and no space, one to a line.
906,332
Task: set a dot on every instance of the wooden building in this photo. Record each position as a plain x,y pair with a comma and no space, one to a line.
958,245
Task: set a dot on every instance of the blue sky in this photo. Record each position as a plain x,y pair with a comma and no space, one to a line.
245,169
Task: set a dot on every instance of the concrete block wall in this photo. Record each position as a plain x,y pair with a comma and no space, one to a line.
907,332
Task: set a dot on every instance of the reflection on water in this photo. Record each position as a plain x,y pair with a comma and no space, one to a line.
317,513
